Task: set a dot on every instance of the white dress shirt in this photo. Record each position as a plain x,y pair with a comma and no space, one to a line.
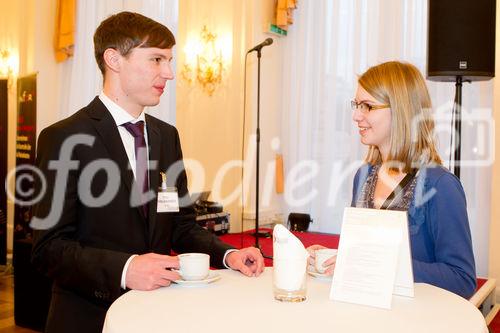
122,117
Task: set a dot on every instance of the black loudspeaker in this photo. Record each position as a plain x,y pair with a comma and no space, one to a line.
32,290
461,40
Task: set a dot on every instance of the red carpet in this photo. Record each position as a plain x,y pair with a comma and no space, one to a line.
246,239
495,324
480,283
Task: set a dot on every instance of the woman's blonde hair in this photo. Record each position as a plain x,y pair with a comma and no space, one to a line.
401,86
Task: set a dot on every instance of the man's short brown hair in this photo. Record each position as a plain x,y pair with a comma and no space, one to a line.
125,31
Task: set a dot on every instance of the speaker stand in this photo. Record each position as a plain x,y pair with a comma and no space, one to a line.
457,126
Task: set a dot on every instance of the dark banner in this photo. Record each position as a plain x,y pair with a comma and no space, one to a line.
3,171
25,154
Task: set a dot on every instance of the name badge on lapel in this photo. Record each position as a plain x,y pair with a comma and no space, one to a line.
168,199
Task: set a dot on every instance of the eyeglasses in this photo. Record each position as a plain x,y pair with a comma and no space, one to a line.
365,107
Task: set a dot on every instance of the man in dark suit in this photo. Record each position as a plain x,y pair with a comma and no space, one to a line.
101,225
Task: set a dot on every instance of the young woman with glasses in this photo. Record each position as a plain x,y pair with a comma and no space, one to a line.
403,171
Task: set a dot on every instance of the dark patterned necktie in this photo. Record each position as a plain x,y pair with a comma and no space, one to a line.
141,160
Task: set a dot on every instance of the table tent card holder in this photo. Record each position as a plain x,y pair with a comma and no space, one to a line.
374,259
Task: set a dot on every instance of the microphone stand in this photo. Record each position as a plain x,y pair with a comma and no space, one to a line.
258,234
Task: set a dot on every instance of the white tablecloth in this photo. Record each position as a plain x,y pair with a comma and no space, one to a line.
237,303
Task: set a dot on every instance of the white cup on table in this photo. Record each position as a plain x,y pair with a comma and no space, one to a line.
194,266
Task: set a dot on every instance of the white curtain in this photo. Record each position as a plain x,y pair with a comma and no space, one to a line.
81,78
328,45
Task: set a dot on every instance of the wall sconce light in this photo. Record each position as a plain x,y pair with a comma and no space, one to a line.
204,61
8,65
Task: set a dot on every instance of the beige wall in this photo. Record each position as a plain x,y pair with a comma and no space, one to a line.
211,127
494,262
16,37
44,63
28,27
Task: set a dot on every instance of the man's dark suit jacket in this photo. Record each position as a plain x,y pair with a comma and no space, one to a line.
86,250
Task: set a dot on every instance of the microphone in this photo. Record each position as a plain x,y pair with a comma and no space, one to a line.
267,42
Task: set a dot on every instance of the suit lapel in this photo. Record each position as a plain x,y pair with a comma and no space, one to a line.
107,130
154,142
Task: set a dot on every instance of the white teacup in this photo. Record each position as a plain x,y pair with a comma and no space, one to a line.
194,266
321,256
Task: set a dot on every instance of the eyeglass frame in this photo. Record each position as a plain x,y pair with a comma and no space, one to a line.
355,105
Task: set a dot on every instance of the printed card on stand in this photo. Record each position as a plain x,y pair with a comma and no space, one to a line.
373,248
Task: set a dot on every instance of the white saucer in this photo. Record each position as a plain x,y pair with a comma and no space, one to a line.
319,275
212,277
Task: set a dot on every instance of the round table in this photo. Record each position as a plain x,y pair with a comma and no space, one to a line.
236,303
